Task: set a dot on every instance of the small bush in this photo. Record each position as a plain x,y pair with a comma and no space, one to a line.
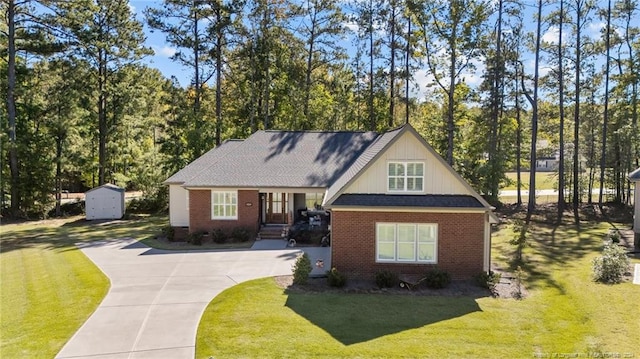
241,234
488,280
335,278
611,266
386,279
195,238
169,232
301,269
437,279
218,236
518,293
614,236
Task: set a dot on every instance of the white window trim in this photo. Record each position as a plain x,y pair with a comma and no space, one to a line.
225,217
406,176
416,244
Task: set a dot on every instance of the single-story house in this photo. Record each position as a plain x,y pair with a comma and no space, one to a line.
393,202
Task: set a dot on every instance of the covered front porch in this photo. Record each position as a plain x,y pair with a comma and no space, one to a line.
299,207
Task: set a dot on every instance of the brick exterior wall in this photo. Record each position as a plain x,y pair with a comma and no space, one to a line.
200,212
460,243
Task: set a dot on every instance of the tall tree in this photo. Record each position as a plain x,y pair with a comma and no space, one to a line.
533,100
107,35
185,23
605,120
454,34
323,24
581,10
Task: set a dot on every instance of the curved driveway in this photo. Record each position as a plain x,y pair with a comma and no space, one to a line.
157,297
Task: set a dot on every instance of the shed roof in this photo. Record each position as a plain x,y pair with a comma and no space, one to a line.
108,186
635,176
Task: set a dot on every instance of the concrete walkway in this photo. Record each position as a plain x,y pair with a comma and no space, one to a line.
157,297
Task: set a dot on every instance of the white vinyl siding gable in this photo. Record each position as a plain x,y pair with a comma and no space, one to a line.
407,243
224,205
437,178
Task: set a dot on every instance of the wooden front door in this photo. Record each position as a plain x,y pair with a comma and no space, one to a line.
276,208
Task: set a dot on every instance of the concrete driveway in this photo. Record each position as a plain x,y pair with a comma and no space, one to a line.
157,297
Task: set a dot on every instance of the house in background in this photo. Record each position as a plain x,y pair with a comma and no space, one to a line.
393,202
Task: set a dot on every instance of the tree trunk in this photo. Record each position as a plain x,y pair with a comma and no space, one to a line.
407,69
518,142
372,120
102,116
219,44
605,121
534,119
576,125
451,99
561,182
11,110
392,67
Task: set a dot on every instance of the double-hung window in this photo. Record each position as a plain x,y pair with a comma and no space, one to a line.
405,176
224,205
407,242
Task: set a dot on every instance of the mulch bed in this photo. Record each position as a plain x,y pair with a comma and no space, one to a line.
505,289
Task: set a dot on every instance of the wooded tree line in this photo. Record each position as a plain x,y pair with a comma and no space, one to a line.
83,108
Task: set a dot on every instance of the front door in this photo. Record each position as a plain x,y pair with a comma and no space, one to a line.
276,210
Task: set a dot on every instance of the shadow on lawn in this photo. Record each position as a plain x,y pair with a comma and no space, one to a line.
556,247
64,235
357,318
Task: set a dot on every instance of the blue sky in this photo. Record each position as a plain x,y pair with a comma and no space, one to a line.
161,61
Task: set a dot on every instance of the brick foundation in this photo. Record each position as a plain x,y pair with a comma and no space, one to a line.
200,212
460,243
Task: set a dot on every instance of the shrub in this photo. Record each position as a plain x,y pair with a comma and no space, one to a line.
218,236
241,234
520,240
386,279
437,278
488,280
519,278
169,232
611,266
614,236
195,238
336,278
301,269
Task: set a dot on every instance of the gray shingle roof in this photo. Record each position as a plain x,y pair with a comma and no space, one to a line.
203,162
278,159
363,160
428,200
635,176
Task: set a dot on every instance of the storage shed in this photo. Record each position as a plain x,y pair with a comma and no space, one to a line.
635,177
105,202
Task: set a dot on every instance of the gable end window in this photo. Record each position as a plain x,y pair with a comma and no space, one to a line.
405,176
407,243
224,205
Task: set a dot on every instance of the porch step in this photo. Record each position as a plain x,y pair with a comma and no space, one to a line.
271,232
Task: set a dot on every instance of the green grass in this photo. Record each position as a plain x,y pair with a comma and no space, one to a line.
48,288
564,312
544,180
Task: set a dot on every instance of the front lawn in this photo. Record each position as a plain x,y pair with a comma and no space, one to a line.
48,288
564,312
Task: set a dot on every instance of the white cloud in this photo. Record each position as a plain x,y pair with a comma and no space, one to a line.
164,51
352,26
132,8
552,35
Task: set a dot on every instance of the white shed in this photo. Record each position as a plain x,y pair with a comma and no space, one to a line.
105,202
